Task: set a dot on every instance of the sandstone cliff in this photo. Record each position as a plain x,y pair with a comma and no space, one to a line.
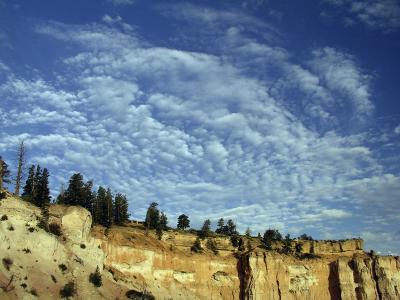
131,261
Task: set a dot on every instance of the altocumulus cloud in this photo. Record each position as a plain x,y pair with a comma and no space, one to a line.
196,132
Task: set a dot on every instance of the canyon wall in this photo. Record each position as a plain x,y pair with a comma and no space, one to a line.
130,260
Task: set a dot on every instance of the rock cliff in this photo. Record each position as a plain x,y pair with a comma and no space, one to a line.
37,264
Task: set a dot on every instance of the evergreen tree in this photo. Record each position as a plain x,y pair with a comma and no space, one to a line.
287,244
163,221
183,222
42,194
152,216
121,214
248,233
110,208
220,226
231,228
205,229
271,235
21,163
88,196
75,193
101,206
29,185
61,197
4,173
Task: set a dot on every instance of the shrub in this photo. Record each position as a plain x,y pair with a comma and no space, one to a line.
26,250
10,227
305,237
135,295
53,278
34,292
308,256
7,263
31,229
212,245
196,246
55,229
4,218
68,290
3,195
83,246
95,278
62,267
24,285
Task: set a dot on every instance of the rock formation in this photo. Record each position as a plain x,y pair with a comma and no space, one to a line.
36,264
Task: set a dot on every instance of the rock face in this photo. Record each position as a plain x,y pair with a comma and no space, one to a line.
130,260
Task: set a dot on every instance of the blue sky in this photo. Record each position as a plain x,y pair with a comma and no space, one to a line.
273,113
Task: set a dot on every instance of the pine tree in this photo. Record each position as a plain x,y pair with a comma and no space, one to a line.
61,197
36,189
21,162
231,228
4,173
121,214
205,229
100,207
271,235
152,216
74,195
42,191
220,226
287,244
183,222
248,233
110,208
163,221
29,185
88,196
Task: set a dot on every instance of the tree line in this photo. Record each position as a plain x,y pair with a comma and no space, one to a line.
108,209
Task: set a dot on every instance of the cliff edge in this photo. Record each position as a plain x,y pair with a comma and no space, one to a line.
37,264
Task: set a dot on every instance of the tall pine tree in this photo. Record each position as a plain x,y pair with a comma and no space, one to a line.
4,173
29,185
110,208
121,214
74,195
152,216
36,189
42,191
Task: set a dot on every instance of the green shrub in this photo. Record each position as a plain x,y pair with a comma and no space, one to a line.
196,246
212,245
4,218
10,227
62,267
135,295
34,292
95,278
68,290
83,246
7,263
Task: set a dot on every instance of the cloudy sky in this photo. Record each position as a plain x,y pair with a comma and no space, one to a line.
274,113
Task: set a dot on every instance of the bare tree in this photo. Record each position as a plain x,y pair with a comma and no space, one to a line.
21,163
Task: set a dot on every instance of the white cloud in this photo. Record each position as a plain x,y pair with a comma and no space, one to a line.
376,14
121,2
196,132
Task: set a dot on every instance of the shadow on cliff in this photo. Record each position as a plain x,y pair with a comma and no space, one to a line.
334,288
